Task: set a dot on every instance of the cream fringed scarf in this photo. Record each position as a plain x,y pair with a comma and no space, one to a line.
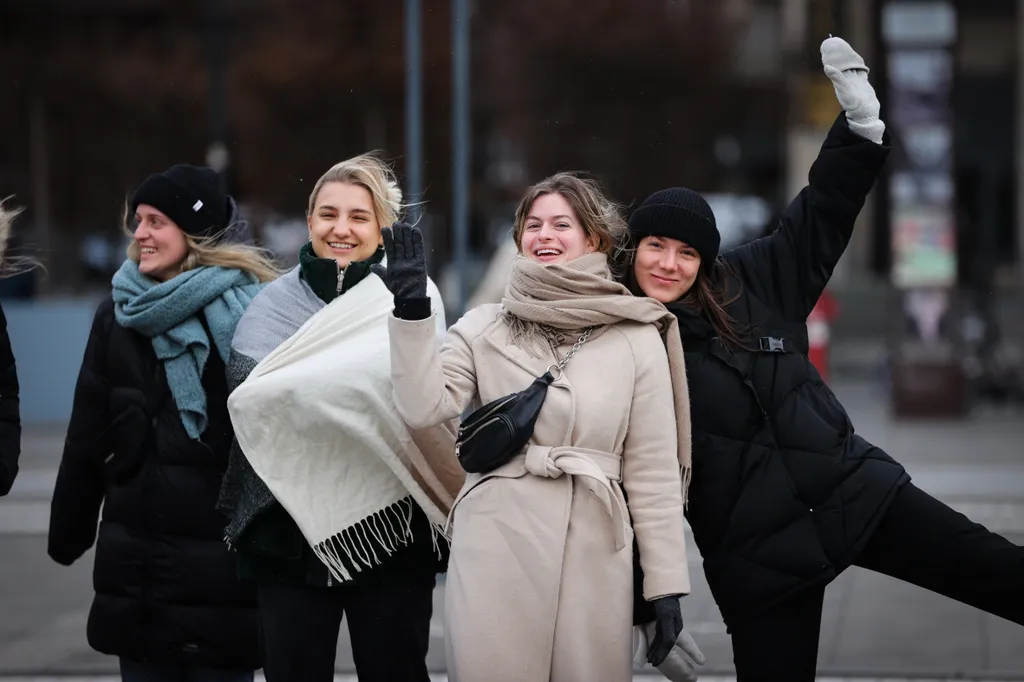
316,421
582,293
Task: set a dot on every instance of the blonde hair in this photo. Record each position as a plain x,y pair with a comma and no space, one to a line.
12,265
373,174
209,251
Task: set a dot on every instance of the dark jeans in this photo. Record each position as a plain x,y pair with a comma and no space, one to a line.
388,624
921,541
140,671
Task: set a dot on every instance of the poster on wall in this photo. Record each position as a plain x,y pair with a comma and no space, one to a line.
919,38
920,120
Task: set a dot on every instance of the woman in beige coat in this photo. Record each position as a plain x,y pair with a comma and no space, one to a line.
540,578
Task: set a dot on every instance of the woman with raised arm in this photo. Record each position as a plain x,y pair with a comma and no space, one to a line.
785,494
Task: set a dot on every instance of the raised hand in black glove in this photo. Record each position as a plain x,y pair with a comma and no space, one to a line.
669,619
406,272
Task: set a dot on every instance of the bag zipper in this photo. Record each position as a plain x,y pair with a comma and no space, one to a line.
501,417
484,417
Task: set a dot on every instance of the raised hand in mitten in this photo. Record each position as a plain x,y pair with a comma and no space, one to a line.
406,272
849,76
668,625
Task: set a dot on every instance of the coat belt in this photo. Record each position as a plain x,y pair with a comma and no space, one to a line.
596,469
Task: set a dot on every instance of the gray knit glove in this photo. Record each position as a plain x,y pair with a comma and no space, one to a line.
406,272
849,76
668,624
683,662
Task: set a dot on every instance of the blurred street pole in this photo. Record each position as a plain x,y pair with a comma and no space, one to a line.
217,156
413,108
460,147
40,161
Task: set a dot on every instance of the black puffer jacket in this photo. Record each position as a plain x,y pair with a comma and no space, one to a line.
784,493
10,413
166,586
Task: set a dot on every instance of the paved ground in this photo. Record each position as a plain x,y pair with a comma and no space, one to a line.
873,628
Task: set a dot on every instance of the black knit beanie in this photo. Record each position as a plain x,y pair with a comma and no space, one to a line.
678,213
191,196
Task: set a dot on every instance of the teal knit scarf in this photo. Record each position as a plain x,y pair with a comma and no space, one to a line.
166,313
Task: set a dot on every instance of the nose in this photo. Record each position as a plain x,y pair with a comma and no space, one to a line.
141,232
669,260
546,232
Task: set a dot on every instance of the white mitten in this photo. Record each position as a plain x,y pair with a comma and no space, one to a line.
682,662
849,76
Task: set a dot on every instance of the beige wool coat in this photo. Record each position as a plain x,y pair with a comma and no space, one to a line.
539,582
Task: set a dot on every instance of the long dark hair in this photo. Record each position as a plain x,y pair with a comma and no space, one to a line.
717,286
710,296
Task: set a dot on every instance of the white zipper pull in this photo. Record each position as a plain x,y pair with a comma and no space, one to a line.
341,278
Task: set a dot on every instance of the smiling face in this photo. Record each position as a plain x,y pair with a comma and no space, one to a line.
552,234
343,225
162,244
664,268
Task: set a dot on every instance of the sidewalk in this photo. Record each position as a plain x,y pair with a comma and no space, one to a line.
873,627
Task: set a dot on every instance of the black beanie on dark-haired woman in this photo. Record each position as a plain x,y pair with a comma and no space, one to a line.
678,213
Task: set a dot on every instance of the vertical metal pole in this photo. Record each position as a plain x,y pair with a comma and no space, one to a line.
460,147
217,152
413,108
40,163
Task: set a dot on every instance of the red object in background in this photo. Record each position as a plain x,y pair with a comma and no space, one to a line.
818,331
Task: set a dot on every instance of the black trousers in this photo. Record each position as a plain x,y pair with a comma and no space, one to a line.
921,541
389,626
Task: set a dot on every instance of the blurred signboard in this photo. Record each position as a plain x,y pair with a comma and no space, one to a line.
919,37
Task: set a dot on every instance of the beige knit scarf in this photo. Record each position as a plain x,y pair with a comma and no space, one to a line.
582,293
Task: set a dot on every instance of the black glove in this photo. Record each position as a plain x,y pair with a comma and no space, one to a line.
406,272
669,617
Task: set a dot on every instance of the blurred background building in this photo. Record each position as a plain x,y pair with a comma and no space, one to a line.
474,100
724,96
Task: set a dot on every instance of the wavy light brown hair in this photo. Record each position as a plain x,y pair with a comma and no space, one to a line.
600,217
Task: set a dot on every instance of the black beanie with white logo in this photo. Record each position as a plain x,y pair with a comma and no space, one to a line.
192,196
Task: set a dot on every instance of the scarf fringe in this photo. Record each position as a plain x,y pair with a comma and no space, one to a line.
382,532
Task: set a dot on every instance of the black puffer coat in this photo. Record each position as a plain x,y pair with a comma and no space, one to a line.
166,585
10,412
784,493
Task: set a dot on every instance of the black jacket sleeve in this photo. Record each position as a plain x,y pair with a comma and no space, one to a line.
10,412
78,493
789,268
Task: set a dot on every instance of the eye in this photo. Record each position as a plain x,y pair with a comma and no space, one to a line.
654,245
533,226
326,216
563,226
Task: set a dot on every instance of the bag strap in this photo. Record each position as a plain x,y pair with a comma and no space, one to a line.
560,365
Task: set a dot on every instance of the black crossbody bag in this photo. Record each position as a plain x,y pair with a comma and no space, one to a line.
494,433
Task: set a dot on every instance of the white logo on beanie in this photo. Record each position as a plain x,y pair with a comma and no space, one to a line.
198,205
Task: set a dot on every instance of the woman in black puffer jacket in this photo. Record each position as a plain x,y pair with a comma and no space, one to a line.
10,414
785,495
148,441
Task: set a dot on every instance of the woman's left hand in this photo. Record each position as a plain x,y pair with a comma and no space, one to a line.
669,623
849,75
406,272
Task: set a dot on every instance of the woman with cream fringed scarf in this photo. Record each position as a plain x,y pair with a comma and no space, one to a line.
540,577
334,506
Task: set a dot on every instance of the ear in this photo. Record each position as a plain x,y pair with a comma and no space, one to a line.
309,225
